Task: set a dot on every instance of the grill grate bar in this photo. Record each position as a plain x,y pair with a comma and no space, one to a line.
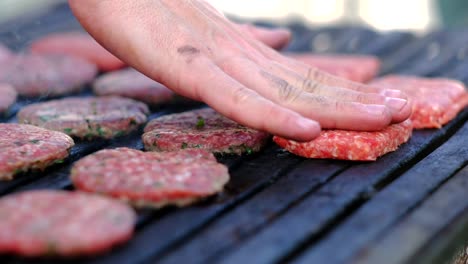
257,212
426,223
402,196
305,222
401,58
386,43
175,228
440,54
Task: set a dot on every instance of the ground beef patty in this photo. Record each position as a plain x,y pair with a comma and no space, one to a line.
203,129
88,117
153,179
133,84
46,75
350,145
8,96
79,44
435,101
60,223
358,68
24,147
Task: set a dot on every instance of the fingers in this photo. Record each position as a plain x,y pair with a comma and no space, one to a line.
330,112
201,55
171,48
321,83
275,38
394,100
243,105
315,74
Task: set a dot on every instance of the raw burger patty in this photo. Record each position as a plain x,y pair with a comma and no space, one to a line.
152,179
89,117
203,129
133,84
435,101
78,44
358,68
60,223
46,75
350,145
24,147
8,96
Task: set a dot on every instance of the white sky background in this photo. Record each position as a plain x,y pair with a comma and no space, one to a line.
418,15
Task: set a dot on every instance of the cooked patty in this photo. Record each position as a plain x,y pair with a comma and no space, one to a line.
79,44
60,223
153,179
47,75
8,96
350,145
25,147
202,129
133,84
87,117
435,101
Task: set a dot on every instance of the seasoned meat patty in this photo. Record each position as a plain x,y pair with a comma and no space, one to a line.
60,223
435,101
24,147
46,75
358,68
133,84
203,129
350,145
87,117
78,44
153,179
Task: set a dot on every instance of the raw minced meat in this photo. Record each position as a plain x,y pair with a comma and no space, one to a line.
87,117
202,129
350,145
153,179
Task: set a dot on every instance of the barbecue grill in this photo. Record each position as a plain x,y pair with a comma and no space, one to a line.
410,206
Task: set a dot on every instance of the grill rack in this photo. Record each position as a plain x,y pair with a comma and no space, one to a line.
409,206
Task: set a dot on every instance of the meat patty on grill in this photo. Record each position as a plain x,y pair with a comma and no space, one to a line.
358,68
87,117
79,44
133,84
435,101
350,145
60,223
202,129
46,75
24,147
153,179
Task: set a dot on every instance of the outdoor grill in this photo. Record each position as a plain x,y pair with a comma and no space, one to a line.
410,206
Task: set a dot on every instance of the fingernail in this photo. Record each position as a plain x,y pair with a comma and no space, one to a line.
392,93
376,109
395,103
307,124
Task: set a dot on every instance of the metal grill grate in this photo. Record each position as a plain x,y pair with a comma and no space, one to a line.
409,206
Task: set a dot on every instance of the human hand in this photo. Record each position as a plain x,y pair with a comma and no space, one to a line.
195,51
